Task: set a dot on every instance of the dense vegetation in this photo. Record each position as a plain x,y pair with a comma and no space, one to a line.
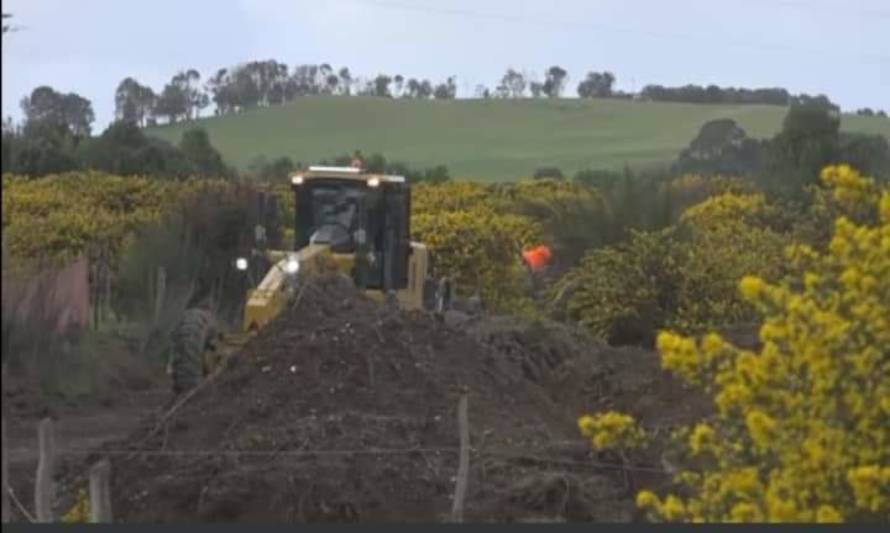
782,233
797,434
816,451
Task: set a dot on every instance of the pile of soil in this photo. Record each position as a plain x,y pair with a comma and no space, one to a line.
345,410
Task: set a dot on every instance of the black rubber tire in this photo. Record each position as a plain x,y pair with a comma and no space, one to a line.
190,340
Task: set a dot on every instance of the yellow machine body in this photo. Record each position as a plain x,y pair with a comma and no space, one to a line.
272,295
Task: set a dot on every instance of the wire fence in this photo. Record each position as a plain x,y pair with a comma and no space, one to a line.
547,453
515,454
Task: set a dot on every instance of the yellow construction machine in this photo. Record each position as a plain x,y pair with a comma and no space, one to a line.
347,220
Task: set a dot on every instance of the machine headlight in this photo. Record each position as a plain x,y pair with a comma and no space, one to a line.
297,180
292,266
374,182
241,263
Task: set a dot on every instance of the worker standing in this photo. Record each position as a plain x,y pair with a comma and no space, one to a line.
537,262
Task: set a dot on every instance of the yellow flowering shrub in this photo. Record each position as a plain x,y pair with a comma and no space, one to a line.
573,218
683,277
60,216
448,196
842,199
724,237
611,430
800,432
626,291
480,248
690,189
477,232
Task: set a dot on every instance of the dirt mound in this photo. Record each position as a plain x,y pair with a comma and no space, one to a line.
344,410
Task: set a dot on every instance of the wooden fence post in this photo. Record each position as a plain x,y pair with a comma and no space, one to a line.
100,492
463,468
44,485
5,476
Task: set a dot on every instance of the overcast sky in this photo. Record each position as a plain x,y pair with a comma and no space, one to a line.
837,47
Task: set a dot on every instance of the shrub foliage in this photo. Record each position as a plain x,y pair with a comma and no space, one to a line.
800,430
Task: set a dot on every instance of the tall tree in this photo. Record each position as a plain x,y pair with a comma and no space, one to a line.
306,80
399,82
219,86
133,102
412,88
174,102
447,90
808,141
325,71
513,83
596,84
207,161
46,106
381,86
554,82
332,84
345,81
425,89
190,97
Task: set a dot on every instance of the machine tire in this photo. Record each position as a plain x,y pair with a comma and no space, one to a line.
190,340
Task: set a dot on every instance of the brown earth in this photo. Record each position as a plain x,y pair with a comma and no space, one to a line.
344,410
80,424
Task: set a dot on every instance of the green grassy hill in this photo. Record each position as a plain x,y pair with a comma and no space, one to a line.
483,139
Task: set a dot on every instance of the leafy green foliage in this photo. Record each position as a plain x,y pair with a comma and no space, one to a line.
123,149
799,433
683,276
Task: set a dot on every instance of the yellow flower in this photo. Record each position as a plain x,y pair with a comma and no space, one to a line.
647,499
701,439
746,512
800,432
828,515
752,287
868,483
673,508
610,430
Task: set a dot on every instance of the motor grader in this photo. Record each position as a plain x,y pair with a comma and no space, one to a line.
348,221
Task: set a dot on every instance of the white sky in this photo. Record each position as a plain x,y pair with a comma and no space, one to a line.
837,47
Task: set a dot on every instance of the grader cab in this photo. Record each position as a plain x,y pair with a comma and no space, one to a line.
347,221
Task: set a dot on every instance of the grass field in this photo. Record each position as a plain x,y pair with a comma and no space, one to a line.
483,139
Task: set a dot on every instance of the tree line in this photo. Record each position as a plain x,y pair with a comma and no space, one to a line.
270,82
56,134
56,137
260,84
265,83
783,165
